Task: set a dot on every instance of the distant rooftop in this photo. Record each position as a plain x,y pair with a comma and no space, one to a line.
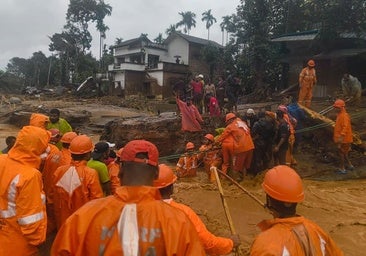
192,39
298,36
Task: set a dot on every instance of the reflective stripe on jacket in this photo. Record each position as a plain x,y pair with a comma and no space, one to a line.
239,133
23,218
307,77
163,230
73,186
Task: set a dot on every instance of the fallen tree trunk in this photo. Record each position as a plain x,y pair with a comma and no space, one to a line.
357,142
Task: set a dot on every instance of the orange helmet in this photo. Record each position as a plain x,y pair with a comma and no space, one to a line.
189,145
283,184
311,63
339,103
166,177
81,144
229,116
209,136
67,137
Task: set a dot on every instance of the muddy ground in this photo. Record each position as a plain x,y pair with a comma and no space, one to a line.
336,202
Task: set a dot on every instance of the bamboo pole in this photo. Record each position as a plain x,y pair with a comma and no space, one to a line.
226,208
241,187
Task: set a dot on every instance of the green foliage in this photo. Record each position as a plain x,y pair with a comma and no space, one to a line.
188,21
211,54
210,20
172,28
159,39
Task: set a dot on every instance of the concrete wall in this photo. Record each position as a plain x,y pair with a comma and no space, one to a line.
178,46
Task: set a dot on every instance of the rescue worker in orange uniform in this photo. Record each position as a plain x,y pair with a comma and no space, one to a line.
210,155
133,221
213,245
289,233
114,169
74,184
237,146
307,80
47,168
66,140
188,163
343,136
23,219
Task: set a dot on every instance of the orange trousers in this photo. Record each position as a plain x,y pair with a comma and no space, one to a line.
305,96
227,156
243,161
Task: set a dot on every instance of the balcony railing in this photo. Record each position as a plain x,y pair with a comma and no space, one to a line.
126,66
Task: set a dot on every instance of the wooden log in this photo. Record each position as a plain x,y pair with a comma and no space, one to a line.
315,115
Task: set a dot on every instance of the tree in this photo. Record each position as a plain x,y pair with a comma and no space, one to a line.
227,25
118,40
159,39
172,28
84,11
212,56
210,20
188,21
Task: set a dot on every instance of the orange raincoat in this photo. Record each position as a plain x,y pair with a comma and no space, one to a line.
65,156
307,80
39,120
187,165
95,228
73,186
236,139
48,167
211,156
212,244
343,128
23,217
113,169
281,237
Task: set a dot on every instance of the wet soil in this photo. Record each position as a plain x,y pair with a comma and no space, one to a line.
335,202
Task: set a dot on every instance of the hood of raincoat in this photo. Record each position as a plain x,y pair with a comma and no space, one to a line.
39,120
31,142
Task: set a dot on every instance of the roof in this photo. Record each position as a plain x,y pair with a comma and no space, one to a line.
131,41
340,53
192,39
298,36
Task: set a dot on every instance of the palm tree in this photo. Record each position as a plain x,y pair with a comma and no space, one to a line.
210,20
118,40
159,39
188,21
172,28
222,26
226,24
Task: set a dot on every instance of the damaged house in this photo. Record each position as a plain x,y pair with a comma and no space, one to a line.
142,67
347,54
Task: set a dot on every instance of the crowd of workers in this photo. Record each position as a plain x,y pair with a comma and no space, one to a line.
103,201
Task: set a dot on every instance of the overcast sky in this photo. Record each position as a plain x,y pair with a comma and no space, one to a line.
26,24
